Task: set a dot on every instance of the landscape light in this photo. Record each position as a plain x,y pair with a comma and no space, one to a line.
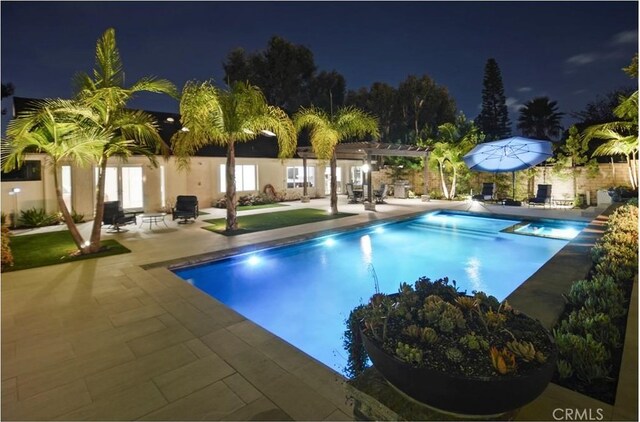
267,133
185,129
170,119
14,191
365,168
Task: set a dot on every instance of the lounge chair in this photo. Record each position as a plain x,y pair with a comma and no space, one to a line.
186,208
381,194
543,196
487,194
354,197
114,217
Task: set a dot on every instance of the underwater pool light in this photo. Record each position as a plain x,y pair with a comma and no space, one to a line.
329,242
379,230
253,260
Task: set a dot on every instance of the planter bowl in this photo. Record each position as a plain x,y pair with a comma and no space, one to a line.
457,393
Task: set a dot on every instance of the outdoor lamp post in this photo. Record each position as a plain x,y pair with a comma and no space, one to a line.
14,220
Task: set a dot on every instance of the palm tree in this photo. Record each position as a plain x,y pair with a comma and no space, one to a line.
50,129
130,131
539,118
326,131
212,116
621,136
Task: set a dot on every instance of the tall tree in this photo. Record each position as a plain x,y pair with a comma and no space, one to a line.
49,128
326,131
215,116
540,119
493,119
7,91
574,154
283,71
327,90
621,135
381,100
130,131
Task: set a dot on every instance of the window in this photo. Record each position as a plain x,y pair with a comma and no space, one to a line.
357,175
327,180
245,177
124,184
66,186
30,170
295,177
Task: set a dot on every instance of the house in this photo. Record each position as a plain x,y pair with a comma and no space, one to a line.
138,185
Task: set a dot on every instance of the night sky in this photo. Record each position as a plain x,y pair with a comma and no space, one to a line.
569,51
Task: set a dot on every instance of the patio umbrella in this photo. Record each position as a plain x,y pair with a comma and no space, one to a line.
508,155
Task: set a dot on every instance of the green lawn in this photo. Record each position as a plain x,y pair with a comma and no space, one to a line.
273,220
38,250
258,207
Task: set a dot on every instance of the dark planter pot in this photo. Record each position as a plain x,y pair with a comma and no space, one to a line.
459,394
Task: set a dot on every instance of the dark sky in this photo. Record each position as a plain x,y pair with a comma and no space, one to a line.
569,51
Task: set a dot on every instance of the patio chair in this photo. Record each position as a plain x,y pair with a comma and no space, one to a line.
352,195
114,217
186,208
487,194
543,196
381,194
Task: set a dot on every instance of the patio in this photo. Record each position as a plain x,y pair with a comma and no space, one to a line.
122,338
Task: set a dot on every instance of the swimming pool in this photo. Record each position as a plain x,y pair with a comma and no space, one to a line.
304,292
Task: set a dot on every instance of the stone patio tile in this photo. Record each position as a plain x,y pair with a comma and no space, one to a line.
191,377
329,384
284,354
9,390
210,403
119,295
71,370
247,392
338,416
127,317
199,348
121,306
90,342
297,399
261,409
9,350
128,404
19,332
192,318
138,371
159,340
37,359
220,313
251,332
225,344
48,405
256,368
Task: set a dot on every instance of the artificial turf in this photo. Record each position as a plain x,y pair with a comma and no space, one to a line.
273,220
38,250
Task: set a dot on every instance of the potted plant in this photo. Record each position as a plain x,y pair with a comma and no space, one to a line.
458,353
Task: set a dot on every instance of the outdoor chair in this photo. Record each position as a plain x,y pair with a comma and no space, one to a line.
487,194
114,217
381,194
352,195
543,196
186,208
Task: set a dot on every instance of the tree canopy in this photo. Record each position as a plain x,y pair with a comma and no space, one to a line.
493,119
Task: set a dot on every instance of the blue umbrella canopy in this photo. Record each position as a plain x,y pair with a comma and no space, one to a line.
511,154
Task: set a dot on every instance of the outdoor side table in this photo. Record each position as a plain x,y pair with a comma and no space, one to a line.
153,218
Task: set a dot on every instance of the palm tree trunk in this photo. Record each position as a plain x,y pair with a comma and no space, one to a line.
630,167
453,183
445,191
96,229
334,184
73,229
232,221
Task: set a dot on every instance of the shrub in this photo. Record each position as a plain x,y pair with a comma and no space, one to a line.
601,294
37,217
7,256
599,325
77,218
587,357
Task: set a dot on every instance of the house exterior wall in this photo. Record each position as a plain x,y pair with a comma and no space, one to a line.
201,178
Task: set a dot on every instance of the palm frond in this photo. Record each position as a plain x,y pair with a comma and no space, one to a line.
158,86
353,122
109,70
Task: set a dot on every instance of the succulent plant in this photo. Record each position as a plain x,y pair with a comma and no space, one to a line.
451,319
409,353
467,303
503,360
495,320
413,331
454,355
474,342
429,335
564,369
522,349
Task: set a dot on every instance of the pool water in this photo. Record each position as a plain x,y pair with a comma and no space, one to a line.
303,293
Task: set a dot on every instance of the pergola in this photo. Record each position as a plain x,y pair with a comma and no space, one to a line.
364,151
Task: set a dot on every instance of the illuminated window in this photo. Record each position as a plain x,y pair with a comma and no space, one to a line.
246,176
295,177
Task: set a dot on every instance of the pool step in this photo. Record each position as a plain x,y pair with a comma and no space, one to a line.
458,231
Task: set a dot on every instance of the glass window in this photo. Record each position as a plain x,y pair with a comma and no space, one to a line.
295,177
327,180
246,177
132,183
356,175
110,183
66,186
